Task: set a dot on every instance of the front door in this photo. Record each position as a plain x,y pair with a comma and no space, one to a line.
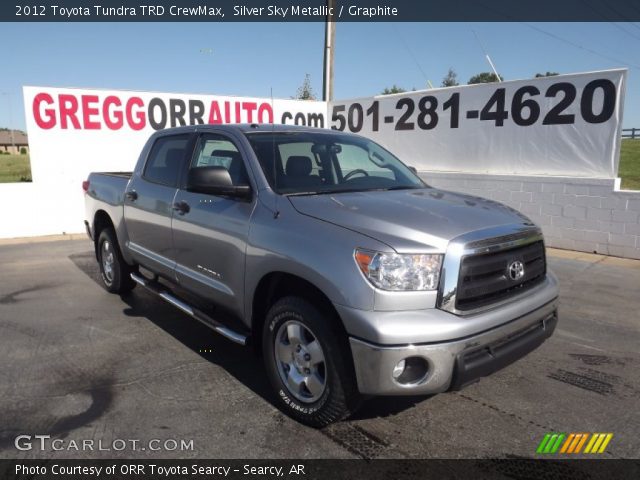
210,232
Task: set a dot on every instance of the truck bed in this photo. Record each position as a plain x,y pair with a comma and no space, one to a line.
126,175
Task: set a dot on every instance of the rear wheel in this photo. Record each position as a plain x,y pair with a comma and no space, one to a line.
115,272
307,364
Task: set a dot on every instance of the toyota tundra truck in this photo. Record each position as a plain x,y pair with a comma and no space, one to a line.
349,274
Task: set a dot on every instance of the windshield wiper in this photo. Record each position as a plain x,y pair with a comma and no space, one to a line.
402,187
299,194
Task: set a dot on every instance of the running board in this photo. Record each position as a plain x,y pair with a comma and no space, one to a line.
189,310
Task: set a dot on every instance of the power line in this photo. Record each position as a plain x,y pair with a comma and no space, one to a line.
606,17
568,42
581,47
406,46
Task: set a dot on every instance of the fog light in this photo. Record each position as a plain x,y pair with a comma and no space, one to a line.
410,371
398,369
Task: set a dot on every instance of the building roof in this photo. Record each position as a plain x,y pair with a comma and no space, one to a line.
19,138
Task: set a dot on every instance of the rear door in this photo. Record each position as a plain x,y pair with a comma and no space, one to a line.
148,204
210,232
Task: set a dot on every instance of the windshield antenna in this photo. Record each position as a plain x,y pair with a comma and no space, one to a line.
276,214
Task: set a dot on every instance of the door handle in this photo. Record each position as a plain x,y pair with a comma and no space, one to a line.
131,195
181,207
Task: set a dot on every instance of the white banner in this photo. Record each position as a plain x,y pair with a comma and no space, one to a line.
73,132
566,125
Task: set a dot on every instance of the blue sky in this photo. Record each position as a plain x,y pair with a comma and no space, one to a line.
251,58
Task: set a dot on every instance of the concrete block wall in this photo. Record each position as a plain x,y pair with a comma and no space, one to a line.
584,214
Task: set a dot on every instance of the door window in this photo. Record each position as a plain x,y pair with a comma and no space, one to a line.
219,151
165,160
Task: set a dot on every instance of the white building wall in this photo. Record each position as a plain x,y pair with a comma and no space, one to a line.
585,214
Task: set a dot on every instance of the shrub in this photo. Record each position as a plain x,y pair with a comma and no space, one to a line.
23,151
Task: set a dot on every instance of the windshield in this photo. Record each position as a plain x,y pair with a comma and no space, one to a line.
307,163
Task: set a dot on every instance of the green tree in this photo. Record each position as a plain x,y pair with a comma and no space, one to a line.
450,79
305,92
393,89
484,77
548,74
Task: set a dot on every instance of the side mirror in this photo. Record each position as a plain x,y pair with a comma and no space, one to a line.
215,180
414,170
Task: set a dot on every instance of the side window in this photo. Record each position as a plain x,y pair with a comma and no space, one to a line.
165,160
218,151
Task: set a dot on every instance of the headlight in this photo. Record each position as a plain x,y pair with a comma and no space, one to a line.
400,272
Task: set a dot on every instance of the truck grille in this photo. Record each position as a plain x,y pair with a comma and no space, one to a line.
488,278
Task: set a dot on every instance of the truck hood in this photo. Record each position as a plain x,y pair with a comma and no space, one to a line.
409,220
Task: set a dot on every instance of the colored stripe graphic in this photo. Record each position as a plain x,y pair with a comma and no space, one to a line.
550,443
572,443
598,442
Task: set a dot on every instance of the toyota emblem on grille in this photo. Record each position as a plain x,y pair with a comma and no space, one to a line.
516,270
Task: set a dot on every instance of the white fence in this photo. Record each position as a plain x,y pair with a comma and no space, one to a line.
584,214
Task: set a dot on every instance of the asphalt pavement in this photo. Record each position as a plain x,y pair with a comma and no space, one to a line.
131,377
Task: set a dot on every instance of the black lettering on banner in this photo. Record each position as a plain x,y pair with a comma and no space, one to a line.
299,119
337,116
608,101
155,124
454,104
428,111
518,104
196,112
500,114
555,115
597,105
403,123
177,109
355,125
374,112
315,120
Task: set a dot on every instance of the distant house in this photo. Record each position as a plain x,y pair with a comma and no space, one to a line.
13,141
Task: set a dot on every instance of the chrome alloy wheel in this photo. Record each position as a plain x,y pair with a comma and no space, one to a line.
300,361
107,261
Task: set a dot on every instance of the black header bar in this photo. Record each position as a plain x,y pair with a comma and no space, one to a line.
317,11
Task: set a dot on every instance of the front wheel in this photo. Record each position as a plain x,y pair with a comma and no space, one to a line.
307,364
115,272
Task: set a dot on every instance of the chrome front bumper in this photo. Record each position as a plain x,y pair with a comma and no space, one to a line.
456,363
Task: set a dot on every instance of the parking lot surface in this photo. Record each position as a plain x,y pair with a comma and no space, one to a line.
90,368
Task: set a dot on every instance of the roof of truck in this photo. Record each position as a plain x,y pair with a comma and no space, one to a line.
249,127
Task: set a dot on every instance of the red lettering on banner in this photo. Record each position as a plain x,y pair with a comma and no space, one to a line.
68,109
88,110
227,112
265,107
112,119
138,119
50,114
249,107
215,116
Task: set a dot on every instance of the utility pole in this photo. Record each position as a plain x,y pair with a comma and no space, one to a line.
329,42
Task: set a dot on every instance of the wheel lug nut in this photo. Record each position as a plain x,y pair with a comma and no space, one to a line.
307,357
307,371
298,348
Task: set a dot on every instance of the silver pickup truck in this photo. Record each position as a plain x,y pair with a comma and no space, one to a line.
349,274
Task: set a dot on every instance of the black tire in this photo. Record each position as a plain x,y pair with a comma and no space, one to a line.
339,396
114,271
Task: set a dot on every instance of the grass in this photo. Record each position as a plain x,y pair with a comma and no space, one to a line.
629,169
15,168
